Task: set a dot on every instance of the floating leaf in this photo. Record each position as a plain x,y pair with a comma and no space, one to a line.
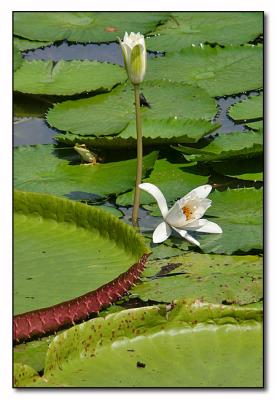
67,77
84,26
227,28
205,277
174,180
155,132
17,58
24,44
110,113
249,109
45,168
220,71
249,169
24,375
207,345
32,353
227,146
169,131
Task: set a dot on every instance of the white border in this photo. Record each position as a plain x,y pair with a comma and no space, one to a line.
6,210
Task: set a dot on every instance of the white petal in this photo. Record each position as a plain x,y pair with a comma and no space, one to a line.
186,236
208,227
200,192
158,196
175,216
194,224
161,233
202,207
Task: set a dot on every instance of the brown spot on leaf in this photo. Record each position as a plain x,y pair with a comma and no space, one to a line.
111,29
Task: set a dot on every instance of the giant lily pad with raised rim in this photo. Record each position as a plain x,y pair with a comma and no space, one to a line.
45,168
64,249
192,28
193,345
67,77
220,71
210,278
83,26
109,114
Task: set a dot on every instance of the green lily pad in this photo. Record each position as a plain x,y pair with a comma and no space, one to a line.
249,109
174,180
207,345
67,77
25,44
220,71
226,28
227,146
45,168
239,213
205,277
17,58
249,169
170,131
83,26
24,375
108,114
64,244
32,353
160,132
161,251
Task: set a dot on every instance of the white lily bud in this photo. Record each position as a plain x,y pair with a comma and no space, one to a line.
134,55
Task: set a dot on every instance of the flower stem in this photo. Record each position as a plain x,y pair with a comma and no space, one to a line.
139,158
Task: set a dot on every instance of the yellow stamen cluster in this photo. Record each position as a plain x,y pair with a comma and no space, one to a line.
187,211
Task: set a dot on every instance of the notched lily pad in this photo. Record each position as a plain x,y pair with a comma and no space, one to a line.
109,114
220,71
174,180
183,29
67,77
25,44
249,111
17,58
248,169
238,212
227,146
83,26
45,168
209,278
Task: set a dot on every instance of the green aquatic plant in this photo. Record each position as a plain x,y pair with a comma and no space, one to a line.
134,55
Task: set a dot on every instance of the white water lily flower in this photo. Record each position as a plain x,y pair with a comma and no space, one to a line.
134,55
185,215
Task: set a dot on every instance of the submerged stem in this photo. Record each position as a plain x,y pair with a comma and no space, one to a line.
139,158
